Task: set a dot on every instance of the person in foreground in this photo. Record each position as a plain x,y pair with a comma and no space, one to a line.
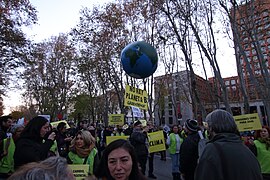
53,168
225,156
30,146
119,162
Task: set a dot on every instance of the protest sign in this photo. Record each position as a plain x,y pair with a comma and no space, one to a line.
156,141
136,97
80,171
136,112
248,122
55,124
116,119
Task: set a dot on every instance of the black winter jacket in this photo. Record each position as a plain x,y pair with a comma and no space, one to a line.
28,150
233,161
189,155
138,140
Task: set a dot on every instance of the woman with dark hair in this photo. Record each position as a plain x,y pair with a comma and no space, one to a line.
261,149
63,141
30,146
225,156
119,162
83,150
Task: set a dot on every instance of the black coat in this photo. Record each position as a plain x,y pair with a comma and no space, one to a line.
138,140
30,146
189,155
28,150
233,161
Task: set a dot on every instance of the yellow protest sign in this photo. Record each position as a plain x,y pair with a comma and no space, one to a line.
144,122
248,122
136,97
156,141
55,124
80,171
110,139
116,119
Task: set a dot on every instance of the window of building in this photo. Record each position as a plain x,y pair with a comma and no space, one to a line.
227,83
170,112
170,120
256,65
257,72
265,13
233,81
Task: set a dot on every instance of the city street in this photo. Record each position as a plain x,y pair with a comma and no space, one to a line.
162,169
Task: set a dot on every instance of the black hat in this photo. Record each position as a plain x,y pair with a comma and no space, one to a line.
137,123
191,125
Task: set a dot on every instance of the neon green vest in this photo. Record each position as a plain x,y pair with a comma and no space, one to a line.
263,156
7,162
119,134
172,146
78,160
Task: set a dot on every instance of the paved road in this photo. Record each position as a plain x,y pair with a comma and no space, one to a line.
162,169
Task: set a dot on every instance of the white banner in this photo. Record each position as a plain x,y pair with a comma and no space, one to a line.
136,112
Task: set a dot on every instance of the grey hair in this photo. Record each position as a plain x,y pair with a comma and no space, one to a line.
220,121
53,168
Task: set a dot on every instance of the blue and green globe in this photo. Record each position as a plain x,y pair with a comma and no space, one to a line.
139,59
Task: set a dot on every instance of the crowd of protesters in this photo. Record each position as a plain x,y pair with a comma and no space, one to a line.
28,149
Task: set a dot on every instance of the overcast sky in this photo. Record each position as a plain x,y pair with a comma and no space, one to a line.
54,17
59,16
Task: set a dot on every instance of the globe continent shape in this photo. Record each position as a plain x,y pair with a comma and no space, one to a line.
139,59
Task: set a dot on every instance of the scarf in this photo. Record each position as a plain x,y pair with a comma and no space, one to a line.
84,151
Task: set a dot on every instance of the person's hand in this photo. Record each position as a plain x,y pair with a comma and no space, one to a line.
251,142
68,139
52,136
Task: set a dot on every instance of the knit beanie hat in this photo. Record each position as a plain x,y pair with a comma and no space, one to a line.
191,125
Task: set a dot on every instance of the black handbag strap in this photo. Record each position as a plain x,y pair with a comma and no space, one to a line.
224,164
85,160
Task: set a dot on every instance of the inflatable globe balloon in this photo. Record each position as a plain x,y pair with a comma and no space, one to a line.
139,59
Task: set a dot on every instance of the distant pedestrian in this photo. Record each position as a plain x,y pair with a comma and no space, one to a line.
139,139
151,175
174,142
225,156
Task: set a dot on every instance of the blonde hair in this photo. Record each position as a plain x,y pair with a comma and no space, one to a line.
88,139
